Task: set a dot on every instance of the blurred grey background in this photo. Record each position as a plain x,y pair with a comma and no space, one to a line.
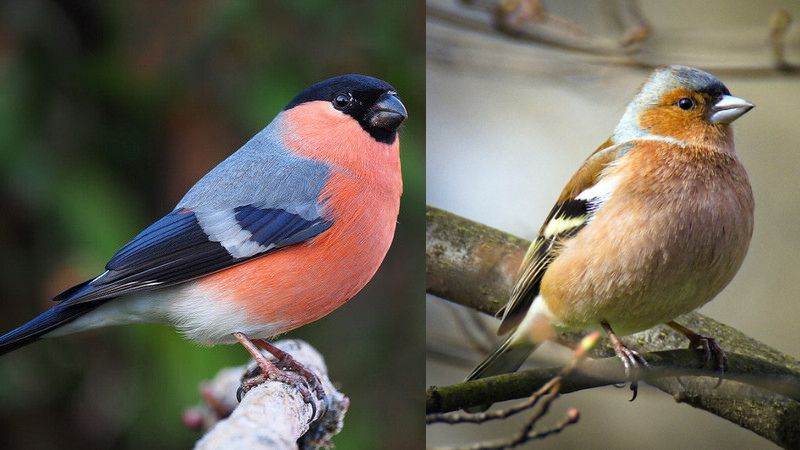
510,120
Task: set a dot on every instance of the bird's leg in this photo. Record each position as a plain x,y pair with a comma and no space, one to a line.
286,361
631,359
268,371
708,348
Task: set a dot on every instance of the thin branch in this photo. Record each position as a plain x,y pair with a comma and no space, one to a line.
526,20
483,35
549,387
635,27
473,265
779,24
546,394
607,372
272,415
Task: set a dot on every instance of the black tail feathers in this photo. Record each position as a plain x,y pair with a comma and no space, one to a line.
42,324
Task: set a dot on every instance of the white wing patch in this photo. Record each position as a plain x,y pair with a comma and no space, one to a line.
221,226
600,192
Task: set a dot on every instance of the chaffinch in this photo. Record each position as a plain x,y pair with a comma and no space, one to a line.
281,233
654,224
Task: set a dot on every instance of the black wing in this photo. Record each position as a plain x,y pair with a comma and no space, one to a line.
184,245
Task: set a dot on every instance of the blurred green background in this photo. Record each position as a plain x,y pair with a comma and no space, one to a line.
109,111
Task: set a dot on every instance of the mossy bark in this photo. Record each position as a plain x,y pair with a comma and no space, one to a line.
474,265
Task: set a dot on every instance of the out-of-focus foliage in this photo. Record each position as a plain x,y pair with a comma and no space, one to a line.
109,111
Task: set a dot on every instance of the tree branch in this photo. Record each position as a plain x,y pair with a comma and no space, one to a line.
272,415
474,265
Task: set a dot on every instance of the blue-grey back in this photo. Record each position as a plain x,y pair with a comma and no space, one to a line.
262,172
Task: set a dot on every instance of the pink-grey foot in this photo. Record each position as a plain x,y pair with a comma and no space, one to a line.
631,359
287,362
265,370
711,354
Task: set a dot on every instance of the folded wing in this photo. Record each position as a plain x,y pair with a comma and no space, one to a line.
583,196
187,244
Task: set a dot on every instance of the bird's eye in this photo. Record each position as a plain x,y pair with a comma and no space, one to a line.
341,101
686,103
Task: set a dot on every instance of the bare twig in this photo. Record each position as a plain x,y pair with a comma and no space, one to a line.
635,27
546,394
525,20
664,365
779,24
273,415
473,265
484,35
551,387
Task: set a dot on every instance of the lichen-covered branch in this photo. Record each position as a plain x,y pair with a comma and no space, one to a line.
473,265
273,415
608,371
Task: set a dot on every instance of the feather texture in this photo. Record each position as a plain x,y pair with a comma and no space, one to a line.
184,245
579,201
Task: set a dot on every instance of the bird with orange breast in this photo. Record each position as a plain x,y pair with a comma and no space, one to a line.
655,223
281,233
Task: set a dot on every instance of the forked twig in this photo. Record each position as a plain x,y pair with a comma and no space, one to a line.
779,24
464,265
545,396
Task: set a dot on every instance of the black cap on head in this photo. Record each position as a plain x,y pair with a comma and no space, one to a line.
371,101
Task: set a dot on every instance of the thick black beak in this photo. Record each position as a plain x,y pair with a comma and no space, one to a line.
387,113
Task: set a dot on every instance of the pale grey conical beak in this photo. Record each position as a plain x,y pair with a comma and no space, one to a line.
728,108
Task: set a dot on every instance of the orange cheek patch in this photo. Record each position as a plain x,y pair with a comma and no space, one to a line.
668,120
673,122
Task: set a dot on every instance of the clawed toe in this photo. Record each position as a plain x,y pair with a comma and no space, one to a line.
310,378
284,369
713,356
711,353
634,365
249,382
632,361
287,362
256,376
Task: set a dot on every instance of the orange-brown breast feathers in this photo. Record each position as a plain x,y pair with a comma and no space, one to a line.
671,236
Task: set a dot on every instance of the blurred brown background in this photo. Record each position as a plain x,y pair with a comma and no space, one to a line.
109,111
509,122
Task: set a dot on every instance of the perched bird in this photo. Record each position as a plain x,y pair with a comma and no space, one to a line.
654,224
282,232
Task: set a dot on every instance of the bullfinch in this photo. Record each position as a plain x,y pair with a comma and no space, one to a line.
282,232
655,223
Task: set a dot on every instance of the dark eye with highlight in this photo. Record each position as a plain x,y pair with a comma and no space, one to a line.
342,101
686,103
